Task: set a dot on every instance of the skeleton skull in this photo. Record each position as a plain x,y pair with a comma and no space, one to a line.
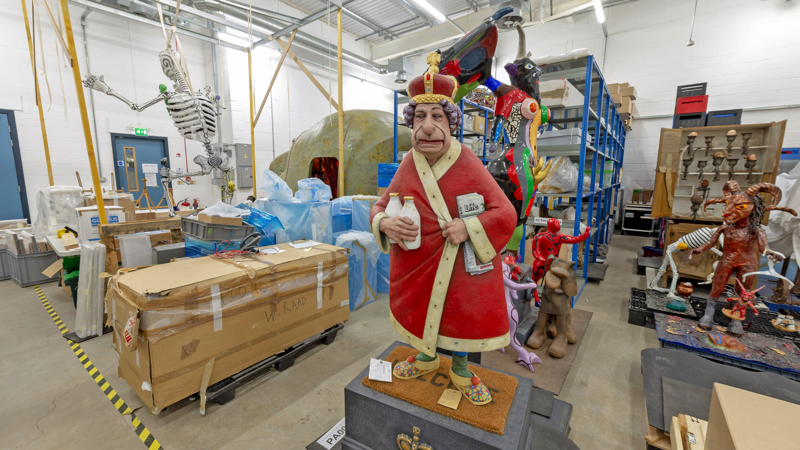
168,64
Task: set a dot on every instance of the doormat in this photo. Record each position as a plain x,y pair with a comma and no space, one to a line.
425,391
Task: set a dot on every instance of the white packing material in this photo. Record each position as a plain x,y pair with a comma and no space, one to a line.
89,314
221,209
56,209
783,231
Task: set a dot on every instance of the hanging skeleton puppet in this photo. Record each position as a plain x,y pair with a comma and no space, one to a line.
194,114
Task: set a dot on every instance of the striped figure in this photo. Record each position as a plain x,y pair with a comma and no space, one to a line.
692,240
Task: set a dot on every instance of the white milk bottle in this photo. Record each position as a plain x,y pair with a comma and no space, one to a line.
410,211
394,208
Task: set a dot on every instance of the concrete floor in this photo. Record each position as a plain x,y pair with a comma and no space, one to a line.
50,401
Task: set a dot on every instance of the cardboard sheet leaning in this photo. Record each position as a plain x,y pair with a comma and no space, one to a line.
187,312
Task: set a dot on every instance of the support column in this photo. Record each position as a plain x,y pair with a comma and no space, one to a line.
341,101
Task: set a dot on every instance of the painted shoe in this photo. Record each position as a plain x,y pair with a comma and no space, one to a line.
413,368
472,388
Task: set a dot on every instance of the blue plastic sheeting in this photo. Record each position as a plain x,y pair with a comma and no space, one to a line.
342,222
361,206
197,248
301,220
264,223
363,270
273,187
384,263
312,190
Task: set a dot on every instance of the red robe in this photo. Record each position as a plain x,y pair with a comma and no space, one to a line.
474,309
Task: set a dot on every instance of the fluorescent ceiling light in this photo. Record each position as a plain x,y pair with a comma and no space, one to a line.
430,10
598,9
235,40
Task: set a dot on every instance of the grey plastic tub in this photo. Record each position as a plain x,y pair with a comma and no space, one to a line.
26,270
215,232
5,272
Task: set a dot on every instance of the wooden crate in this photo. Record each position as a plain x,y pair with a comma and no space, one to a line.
109,231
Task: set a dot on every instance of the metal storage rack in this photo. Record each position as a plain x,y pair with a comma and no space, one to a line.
608,132
401,99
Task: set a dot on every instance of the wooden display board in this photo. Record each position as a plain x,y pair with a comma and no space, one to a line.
671,197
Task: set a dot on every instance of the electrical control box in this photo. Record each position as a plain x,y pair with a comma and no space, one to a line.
244,166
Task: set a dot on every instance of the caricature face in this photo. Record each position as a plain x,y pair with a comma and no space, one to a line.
737,207
431,130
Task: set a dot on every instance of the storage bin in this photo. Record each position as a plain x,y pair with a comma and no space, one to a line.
197,247
26,270
5,272
213,231
566,136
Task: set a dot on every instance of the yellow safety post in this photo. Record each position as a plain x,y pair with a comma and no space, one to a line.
87,134
341,101
252,120
38,94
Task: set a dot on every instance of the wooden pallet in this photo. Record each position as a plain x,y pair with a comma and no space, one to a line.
109,231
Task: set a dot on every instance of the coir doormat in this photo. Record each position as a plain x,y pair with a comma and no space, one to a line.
425,391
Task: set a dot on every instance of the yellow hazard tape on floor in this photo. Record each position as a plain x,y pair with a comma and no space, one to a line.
144,434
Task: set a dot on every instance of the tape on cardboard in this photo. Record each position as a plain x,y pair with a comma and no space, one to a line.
216,307
320,277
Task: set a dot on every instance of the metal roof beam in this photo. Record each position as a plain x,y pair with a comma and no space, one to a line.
110,10
372,26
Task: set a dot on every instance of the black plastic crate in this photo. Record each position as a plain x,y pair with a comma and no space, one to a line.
637,310
689,120
725,117
691,90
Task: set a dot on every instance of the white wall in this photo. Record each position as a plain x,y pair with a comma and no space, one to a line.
747,50
126,53
296,104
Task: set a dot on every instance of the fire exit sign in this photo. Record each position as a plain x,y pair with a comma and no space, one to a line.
141,131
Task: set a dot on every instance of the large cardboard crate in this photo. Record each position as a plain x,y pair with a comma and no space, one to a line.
190,311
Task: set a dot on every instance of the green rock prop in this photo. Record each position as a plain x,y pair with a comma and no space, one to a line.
368,140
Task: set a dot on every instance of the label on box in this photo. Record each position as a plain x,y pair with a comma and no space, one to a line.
305,244
380,370
333,436
450,398
271,250
129,332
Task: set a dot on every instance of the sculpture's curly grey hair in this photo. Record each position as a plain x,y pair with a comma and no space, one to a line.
453,113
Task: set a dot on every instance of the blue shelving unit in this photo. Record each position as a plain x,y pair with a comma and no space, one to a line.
597,117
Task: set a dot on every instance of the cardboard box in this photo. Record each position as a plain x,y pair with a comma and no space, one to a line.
219,220
381,191
613,88
89,219
628,91
559,93
193,310
123,200
740,420
478,123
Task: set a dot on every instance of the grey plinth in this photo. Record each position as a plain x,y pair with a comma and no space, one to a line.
374,420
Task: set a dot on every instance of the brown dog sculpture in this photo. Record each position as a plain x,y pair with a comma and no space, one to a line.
555,318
